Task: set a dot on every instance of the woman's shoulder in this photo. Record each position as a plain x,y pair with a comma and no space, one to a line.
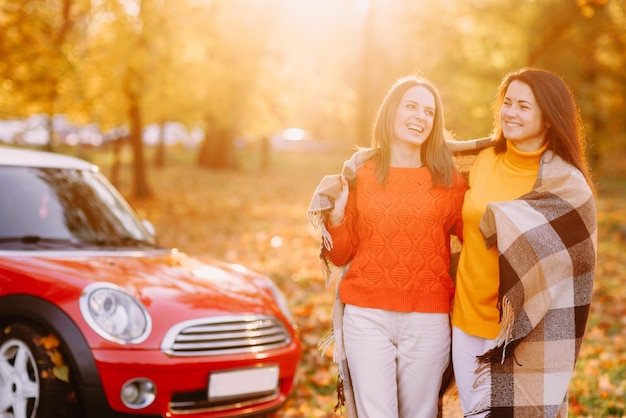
358,159
486,154
366,169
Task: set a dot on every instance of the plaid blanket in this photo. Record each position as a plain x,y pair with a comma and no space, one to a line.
547,246
322,202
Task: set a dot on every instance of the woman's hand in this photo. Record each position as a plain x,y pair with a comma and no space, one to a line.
336,215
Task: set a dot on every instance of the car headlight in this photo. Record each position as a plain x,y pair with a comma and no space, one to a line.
281,301
115,314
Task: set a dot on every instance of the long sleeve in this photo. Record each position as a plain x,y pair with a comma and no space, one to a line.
345,240
396,238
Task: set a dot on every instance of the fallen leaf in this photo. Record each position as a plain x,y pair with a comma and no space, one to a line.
49,342
62,373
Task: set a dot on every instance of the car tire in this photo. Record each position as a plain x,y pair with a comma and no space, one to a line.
34,381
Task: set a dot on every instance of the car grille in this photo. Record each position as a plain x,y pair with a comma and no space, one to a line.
225,335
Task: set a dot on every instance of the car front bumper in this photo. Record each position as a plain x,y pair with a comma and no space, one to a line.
182,383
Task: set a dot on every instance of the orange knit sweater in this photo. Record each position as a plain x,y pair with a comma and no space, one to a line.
397,240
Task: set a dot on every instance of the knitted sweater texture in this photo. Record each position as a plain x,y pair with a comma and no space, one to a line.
493,178
397,240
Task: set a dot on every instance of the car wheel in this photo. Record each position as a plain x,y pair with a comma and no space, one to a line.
34,380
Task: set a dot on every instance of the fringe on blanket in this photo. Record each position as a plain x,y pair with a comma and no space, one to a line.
483,373
341,395
326,342
323,346
334,338
317,219
505,337
345,397
329,270
498,350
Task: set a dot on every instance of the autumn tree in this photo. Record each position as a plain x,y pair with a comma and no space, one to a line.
227,44
120,53
135,34
248,68
469,51
37,42
169,94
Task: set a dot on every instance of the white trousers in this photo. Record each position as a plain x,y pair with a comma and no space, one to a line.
396,361
475,395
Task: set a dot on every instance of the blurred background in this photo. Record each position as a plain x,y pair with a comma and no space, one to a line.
214,75
217,118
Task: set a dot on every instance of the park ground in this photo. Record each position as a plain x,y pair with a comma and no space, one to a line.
256,216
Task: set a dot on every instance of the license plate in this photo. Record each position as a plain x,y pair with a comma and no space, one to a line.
242,382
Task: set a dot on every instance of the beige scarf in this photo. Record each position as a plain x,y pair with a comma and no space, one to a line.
322,203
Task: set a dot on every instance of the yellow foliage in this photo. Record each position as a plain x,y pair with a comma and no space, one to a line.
49,342
55,357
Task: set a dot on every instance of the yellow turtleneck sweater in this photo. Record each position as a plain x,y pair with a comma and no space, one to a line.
493,177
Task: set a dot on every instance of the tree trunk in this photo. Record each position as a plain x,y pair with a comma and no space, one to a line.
159,155
140,179
217,150
117,161
50,146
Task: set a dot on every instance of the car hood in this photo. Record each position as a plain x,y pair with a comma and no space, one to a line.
181,286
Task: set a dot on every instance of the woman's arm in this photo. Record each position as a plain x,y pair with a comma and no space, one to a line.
470,144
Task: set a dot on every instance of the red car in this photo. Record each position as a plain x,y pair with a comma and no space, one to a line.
98,320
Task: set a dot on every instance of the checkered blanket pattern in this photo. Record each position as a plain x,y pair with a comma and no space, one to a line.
547,245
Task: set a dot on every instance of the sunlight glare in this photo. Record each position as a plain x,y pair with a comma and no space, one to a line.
294,134
363,6
276,241
132,7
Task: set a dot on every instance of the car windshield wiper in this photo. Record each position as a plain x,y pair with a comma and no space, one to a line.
123,241
41,242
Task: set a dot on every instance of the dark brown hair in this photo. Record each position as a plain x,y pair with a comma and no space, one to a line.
565,135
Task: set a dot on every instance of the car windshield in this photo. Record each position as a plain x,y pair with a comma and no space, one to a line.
51,208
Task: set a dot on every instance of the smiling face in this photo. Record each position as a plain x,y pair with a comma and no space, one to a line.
415,116
521,118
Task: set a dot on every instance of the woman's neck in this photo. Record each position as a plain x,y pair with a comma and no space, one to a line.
406,158
523,159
